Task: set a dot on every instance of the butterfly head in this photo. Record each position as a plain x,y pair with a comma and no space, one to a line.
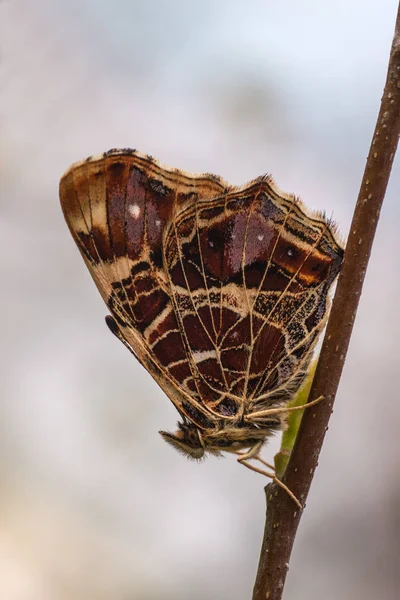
188,440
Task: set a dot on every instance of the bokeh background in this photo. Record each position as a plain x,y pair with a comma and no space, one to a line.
93,504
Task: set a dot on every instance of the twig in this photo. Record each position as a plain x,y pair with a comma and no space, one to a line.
283,516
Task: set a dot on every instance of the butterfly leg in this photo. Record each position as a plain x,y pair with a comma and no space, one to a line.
243,459
264,462
251,453
261,460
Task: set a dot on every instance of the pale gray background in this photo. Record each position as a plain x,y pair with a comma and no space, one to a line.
93,504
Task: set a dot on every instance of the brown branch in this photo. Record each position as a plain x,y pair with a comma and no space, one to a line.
283,516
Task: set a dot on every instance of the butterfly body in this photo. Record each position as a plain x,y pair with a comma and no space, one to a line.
219,291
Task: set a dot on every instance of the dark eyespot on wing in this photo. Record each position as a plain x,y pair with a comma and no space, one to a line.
112,325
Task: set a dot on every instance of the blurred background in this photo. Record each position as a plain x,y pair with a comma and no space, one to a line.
93,504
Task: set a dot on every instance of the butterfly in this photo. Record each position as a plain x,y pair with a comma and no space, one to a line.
219,291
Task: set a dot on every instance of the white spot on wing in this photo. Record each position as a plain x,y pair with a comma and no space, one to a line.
206,354
260,237
158,222
134,210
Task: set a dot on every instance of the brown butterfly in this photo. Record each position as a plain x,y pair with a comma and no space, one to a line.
219,291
